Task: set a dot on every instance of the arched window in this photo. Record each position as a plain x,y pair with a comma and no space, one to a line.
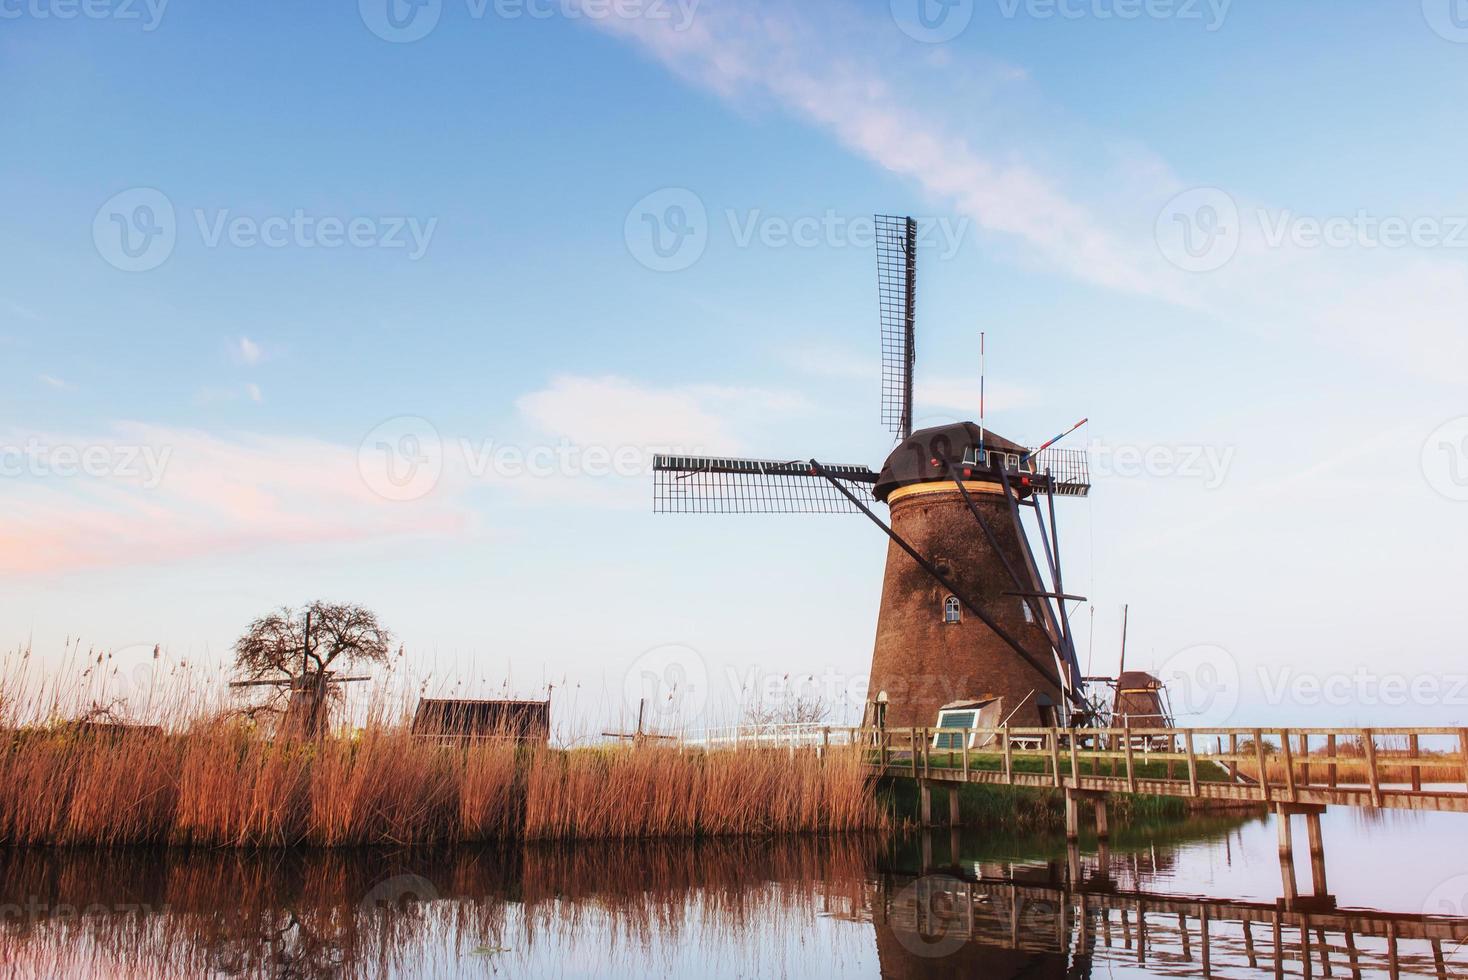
952,611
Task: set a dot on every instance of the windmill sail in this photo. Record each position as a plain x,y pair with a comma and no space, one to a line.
721,485
897,298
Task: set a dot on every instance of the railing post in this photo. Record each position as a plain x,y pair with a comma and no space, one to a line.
912,744
1463,751
1009,754
1263,766
1371,771
1415,751
1131,770
1075,763
1054,737
1305,758
1289,764
1192,765
964,741
927,744
1332,772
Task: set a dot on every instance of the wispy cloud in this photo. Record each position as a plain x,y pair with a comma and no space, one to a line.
52,381
1000,152
141,494
247,351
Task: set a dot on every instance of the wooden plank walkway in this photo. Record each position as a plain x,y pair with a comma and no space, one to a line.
1394,768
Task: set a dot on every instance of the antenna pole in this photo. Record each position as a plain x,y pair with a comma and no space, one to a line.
982,366
1122,668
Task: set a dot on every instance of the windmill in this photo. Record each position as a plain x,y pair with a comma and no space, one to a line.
967,612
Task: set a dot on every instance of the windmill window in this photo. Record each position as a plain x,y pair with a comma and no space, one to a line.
1029,612
952,612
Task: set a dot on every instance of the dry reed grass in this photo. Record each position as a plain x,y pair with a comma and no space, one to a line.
224,784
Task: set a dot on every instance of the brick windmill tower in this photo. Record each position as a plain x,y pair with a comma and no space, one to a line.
969,613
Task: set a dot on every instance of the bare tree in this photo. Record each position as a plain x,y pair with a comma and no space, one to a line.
295,652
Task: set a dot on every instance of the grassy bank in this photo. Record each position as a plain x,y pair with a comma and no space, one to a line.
223,784
1022,810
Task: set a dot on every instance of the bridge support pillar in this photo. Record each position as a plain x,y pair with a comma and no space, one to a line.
925,802
1317,853
1072,816
1103,826
953,818
1283,815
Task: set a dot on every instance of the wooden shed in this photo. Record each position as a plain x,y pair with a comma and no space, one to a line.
522,721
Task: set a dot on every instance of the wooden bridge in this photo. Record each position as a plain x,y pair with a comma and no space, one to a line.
1293,771
1170,934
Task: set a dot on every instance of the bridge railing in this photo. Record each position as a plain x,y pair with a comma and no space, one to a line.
1373,766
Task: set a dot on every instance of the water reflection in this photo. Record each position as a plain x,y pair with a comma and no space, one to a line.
923,906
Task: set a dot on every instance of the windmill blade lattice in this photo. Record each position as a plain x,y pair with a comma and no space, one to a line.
723,485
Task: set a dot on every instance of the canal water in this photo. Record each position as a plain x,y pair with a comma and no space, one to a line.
1190,899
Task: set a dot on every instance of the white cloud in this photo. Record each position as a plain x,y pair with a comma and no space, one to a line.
52,381
246,351
253,391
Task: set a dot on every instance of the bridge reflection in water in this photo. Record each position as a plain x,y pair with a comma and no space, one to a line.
1076,916
807,907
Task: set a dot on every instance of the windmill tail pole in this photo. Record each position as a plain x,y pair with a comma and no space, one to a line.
1036,452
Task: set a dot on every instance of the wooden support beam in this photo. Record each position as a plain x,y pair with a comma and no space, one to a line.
1369,743
1103,825
1317,854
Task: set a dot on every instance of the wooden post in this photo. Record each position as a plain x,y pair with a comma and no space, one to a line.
912,742
927,744
1233,755
1103,827
1286,853
953,818
1263,768
1289,764
1317,853
1463,751
966,736
925,802
1131,770
1075,763
1332,771
1414,747
1204,940
1054,738
1192,766
1305,758
1009,756
1370,745
1072,816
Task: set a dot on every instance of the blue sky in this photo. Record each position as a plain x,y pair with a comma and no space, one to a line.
1301,404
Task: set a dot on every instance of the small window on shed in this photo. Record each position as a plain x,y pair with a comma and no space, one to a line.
952,612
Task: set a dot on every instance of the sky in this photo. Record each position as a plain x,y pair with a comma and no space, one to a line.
391,302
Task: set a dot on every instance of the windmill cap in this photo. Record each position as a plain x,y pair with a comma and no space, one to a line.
913,459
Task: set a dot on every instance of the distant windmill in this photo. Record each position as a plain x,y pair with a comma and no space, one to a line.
967,612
